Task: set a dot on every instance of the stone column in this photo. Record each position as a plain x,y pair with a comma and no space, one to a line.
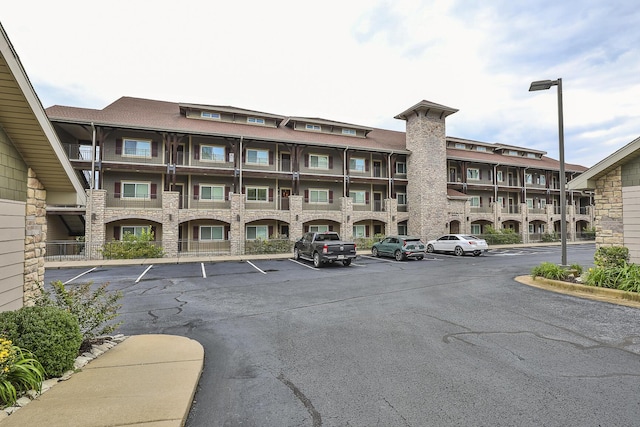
296,217
237,224
346,228
170,224
35,243
95,228
391,207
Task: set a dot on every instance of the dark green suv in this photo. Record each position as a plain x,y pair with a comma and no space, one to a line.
399,247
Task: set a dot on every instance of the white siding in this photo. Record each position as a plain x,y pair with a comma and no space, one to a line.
631,221
12,234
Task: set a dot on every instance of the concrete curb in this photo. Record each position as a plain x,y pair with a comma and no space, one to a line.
613,296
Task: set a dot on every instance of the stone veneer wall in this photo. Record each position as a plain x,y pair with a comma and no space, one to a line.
35,237
608,210
427,174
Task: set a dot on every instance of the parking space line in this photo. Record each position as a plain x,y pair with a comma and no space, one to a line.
302,264
79,275
143,273
204,273
254,266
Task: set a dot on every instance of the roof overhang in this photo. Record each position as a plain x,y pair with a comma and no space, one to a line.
427,107
587,180
26,124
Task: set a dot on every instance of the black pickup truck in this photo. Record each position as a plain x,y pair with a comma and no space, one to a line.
323,248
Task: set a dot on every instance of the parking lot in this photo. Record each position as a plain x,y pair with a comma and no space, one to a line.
442,341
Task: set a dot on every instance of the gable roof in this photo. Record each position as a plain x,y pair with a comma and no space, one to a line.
25,122
588,179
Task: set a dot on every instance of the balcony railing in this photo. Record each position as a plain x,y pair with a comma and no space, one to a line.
481,209
135,203
306,206
187,202
78,151
537,211
375,206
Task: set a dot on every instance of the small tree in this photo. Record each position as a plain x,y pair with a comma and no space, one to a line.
132,246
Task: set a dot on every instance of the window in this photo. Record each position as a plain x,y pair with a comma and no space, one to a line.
481,148
135,230
460,146
317,161
401,168
212,153
257,194
318,196
512,153
357,165
318,228
359,231
531,155
402,198
136,190
402,229
543,204
499,176
257,157
255,120
528,178
473,174
475,201
310,126
476,229
501,201
211,192
359,197
349,132
210,115
532,228
211,233
530,203
257,232
542,180
136,148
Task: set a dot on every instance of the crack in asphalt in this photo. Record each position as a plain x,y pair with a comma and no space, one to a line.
315,415
406,423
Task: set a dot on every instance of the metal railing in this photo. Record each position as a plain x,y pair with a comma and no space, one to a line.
136,203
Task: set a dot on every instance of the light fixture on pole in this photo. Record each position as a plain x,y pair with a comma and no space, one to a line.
545,85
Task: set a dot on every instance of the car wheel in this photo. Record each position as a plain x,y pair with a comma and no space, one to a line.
399,256
458,251
420,258
346,262
317,263
476,253
430,249
374,252
296,254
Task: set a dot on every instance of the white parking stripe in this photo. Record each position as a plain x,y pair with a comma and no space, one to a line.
254,266
204,273
143,273
79,275
302,264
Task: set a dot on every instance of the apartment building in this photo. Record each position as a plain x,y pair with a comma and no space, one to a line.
207,177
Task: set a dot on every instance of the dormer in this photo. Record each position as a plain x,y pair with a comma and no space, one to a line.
469,145
230,115
510,150
308,124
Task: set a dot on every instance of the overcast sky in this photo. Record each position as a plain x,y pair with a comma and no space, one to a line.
356,61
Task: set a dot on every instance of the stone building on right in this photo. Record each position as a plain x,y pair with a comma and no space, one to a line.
616,182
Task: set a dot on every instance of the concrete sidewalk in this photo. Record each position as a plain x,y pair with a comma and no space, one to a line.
145,380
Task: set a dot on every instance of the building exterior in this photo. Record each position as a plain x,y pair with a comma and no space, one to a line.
616,182
207,178
35,176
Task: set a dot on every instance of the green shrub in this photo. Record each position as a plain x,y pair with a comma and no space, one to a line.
611,256
577,268
19,372
50,333
549,271
367,242
506,236
623,277
133,247
275,245
549,237
95,310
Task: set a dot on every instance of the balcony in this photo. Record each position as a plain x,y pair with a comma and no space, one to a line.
376,206
187,202
134,203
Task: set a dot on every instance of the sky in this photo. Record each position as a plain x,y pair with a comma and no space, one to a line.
354,61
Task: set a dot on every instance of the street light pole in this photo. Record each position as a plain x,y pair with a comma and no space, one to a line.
544,85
